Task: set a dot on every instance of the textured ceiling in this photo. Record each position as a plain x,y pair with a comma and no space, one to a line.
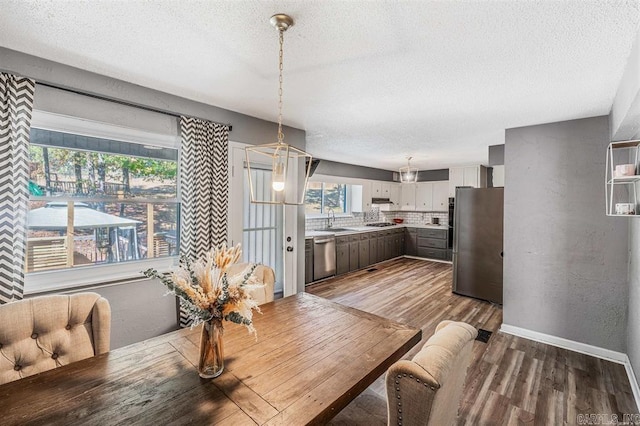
370,81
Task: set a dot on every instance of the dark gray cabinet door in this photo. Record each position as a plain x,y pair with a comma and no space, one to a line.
353,255
363,252
388,246
381,248
342,258
373,250
308,261
411,242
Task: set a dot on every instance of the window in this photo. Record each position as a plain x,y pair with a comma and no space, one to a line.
98,202
322,197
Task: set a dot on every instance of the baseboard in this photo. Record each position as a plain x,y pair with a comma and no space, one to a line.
430,260
633,381
583,348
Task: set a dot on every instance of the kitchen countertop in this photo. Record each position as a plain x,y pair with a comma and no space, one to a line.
359,229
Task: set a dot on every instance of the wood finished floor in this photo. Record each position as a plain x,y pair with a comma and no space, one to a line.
511,380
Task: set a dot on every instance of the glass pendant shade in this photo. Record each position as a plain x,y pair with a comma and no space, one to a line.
408,174
287,181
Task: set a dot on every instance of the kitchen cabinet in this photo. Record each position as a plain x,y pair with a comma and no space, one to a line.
363,251
394,193
361,197
408,196
432,243
376,189
622,178
388,245
354,251
342,255
373,248
440,196
424,196
381,246
474,176
308,260
411,241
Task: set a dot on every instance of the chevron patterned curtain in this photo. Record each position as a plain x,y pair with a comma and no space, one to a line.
16,104
203,188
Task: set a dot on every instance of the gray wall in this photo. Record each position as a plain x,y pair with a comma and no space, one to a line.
246,129
136,312
496,155
433,175
565,271
139,309
633,327
333,168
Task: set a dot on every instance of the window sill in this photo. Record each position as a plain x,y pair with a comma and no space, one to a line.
84,276
324,216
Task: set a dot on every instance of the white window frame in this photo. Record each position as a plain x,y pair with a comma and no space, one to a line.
347,213
95,275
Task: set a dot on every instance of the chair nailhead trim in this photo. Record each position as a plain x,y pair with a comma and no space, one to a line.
34,336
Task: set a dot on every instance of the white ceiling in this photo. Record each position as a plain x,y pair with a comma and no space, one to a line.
370,81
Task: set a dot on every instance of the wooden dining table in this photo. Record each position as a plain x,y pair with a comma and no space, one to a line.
310,359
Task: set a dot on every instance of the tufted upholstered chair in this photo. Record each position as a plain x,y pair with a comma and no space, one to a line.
427,389
43,333
264,274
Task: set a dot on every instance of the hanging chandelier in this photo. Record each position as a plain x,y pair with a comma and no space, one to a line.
287,181
408,174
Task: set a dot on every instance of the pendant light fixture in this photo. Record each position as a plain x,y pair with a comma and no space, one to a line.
408,174
285,185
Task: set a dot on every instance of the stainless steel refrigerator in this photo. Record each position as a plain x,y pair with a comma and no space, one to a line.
477,243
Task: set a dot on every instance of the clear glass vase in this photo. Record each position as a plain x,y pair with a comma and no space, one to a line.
211,361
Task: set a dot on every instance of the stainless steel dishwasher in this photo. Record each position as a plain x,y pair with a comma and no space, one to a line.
324,256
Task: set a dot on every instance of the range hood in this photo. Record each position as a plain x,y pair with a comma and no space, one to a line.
381,201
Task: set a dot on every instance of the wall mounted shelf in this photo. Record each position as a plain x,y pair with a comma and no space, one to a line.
622,191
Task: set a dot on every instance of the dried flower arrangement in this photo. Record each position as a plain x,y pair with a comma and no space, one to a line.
206,291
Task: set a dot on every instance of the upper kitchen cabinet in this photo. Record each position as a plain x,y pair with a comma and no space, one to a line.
361,196
474,176
441,196
424,196
408,196
376,189
391,191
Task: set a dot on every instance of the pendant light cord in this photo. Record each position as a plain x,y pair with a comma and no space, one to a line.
280,134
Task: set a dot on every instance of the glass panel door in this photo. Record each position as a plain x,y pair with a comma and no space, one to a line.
262,232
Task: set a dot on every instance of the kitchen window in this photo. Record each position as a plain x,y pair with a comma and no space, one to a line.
97,208
321,197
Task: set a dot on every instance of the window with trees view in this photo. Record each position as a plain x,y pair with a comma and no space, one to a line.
97,201
322,197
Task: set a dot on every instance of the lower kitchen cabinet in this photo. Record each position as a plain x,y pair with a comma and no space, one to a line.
380,238
433,243
308,260
411,241
373,248
354,252
358,251
363,251
342,255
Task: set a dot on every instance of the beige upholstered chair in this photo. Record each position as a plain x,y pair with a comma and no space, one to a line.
43,333
265,275
427,389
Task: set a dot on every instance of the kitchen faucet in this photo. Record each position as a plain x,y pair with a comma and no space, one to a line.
330,213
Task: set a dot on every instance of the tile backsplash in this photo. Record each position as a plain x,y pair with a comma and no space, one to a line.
375,215
416,218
